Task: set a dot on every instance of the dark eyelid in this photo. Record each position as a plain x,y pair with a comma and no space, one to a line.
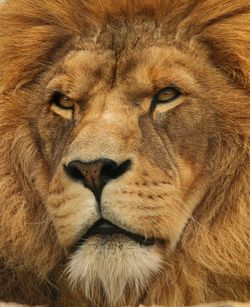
57,95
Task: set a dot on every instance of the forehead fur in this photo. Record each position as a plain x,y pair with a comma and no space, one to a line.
33,30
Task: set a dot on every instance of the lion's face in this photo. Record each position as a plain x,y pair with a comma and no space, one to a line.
124,152
128,128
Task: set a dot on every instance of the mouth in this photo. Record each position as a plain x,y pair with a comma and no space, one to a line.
105,228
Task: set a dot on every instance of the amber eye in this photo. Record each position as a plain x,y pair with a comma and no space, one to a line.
62,101
166,95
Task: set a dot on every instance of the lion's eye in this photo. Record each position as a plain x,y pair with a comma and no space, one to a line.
167,94
63,101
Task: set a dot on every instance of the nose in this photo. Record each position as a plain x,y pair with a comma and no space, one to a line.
96,174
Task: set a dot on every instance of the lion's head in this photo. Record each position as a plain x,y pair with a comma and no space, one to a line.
124,151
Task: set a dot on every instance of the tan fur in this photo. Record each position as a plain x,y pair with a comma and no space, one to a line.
189,181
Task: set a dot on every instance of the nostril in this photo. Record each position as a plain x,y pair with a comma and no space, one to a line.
114,171
108,168
74,170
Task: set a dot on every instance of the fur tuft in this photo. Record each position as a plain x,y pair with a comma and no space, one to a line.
110,272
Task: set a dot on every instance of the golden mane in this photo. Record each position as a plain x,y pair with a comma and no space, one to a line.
222,26
215,246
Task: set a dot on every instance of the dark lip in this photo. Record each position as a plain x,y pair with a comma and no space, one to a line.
104,227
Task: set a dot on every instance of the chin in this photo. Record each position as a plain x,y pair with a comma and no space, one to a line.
113,267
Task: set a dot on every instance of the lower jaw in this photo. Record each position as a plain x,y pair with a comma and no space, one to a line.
117,239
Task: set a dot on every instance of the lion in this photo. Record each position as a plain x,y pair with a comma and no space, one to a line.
124,152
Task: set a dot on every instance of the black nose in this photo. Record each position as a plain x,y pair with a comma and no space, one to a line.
96,174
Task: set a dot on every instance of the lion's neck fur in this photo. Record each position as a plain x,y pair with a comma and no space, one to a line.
31,234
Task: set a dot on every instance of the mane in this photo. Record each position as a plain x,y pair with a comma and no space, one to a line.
222,26
215,246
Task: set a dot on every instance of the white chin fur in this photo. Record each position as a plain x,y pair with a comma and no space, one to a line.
111,266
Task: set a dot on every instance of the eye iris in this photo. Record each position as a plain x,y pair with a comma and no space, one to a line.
167,95
62,101
66,102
